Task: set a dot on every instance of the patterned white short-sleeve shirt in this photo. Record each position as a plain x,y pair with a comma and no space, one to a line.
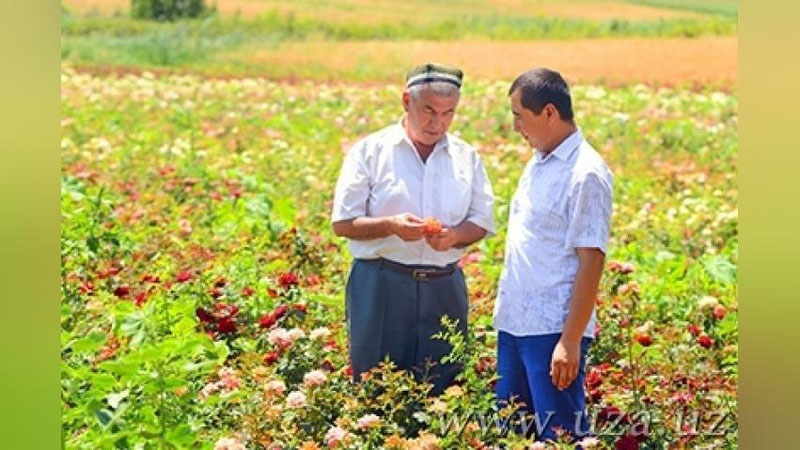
563,201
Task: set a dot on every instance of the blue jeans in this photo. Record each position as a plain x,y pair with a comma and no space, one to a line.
523,364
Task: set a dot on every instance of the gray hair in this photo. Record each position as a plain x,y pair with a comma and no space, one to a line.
439,88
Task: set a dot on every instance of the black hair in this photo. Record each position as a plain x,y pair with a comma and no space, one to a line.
541,86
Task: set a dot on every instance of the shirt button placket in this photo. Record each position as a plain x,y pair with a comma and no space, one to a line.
427,198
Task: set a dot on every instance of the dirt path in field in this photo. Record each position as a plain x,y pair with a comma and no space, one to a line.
669,62
711,60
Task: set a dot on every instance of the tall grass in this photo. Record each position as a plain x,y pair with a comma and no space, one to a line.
125,41
727,8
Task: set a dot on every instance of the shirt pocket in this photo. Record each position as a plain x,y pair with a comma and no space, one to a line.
456,196
390,199
546,223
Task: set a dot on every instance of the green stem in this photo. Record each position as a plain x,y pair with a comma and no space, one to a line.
161,410
634,365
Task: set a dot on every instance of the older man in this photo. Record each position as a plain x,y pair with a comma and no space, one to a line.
558,229
410,198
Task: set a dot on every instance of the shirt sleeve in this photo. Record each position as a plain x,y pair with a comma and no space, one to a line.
481,210
352,187
590,213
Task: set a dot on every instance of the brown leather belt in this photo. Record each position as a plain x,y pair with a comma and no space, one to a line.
419,273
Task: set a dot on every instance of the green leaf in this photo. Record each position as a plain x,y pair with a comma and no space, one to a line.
191,367
184,327
93,244
285,210
151,354
222,351
103,381
664,255
181,436
90,343
277,265
103,416
123,368
259,206
133,325
720,269
173,382
191,346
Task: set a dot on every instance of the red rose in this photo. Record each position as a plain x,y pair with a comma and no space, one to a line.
431,226
301,307
288,279
644,339
641,430
719,312
271,358
87,287
216,293
148,278
682,398
694,329
484,364
705,341
184,276
140,298
220,282
313,280
327,366
627,442
594,379
226,325
349,370
280,311
248,291
266,321
225,310
204,315
272,293
614,266
122,291
612,414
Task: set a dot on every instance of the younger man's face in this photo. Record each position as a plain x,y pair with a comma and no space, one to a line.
534,128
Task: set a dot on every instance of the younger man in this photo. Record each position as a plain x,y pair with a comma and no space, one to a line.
555,249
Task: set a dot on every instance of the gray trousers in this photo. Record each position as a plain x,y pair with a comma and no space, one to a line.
390,313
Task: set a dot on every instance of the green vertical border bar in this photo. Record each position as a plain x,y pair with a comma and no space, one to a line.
29,226
769,169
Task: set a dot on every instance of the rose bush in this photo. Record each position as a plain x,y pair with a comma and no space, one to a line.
202,288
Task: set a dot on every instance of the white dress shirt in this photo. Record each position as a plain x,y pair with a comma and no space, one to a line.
383,175
563,201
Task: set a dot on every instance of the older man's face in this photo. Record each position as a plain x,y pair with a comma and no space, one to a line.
429,116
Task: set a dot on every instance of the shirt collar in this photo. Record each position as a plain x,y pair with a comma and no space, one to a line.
400,135
565,149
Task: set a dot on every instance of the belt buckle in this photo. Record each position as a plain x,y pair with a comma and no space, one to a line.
420,274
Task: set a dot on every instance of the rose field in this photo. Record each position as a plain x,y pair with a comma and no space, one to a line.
203,289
